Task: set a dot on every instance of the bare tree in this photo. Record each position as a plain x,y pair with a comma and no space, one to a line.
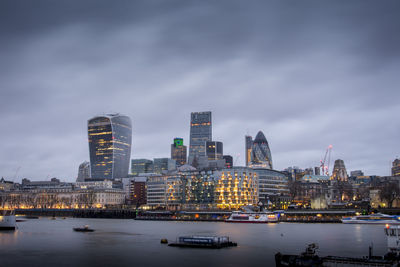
389,192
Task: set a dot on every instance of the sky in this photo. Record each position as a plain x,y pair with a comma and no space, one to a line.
306,73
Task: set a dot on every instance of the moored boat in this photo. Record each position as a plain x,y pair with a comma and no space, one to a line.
252,217
7,220
377,218
83,229
203,242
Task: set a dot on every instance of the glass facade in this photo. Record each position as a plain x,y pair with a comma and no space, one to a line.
141,166
200,133
248,144
271,183
110,138
260,152
214,150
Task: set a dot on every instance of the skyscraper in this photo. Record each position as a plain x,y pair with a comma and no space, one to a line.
178,152
228,161
214,150
110,138
200,133
260,152
339,171
249,144
396,167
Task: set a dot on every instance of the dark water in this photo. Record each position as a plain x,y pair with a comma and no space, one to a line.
45,242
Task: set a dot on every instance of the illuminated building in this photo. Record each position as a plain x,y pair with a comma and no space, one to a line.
339,171
141,166
249,144
174,191
260,152
271,183
396,167
83,172
199,189
163,165
110,138
228,161
178,152
235,187
138,192
214,150
200,133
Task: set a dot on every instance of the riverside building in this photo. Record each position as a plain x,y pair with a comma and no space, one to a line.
110,138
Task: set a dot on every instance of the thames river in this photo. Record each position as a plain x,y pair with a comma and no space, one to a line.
45,242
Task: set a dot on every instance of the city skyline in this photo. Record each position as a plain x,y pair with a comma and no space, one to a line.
316,78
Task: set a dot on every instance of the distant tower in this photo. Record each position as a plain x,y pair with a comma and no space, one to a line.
228,161
339,171
260,152
249,144
317,171
178,152
214,150
200,133
396,167
110,138
83,172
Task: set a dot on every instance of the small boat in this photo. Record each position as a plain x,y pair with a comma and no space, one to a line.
83,229
252,217
203,242
7,220
377,218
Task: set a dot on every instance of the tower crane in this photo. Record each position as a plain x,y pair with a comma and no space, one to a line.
324,163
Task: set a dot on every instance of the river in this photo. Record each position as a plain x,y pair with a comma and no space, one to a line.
125,242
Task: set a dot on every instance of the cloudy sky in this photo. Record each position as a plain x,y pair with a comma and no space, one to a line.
306,73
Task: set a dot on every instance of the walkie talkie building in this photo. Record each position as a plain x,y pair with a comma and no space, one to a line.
110,139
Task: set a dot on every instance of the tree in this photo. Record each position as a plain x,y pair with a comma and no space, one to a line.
389,192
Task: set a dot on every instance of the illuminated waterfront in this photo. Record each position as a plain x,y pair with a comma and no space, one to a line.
45,242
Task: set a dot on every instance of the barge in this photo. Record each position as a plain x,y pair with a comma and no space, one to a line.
203,242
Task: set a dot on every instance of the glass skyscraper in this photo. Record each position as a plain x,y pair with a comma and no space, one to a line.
200,133
178,152
110,139
249,144
260,152
214,150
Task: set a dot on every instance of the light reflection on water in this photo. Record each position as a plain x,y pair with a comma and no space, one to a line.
45,242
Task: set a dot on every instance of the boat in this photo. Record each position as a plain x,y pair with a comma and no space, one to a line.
252,217
7,220
310,258
377,218
83,229
203,242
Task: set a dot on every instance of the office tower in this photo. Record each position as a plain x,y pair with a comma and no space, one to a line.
228,161
141,166
178,152
110,138
339,171
260,153
214,150
200,133
396,167
83,172
163,165
249,144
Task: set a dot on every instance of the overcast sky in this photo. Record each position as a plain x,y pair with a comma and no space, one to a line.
306,73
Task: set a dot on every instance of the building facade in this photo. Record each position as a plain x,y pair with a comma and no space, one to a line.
200,133
83,172
271,183
141,166
248,147
228,161
163,165
260,152
396,167
110,139
214,150
178,152
339,171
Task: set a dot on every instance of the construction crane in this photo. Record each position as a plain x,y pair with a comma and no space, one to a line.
324,163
